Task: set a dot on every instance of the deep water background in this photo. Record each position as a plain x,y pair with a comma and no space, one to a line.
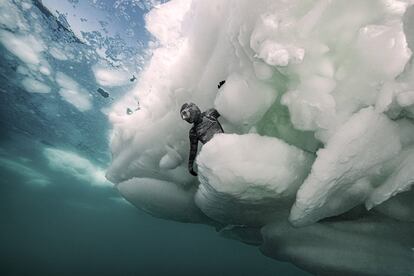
69,226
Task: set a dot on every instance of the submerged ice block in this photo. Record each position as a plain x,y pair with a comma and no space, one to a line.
249,179
328,76
345,171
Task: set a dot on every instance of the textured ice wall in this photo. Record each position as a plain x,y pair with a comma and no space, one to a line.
319,101
249,179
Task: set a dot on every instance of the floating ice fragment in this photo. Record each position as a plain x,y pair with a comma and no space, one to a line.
73,93
110,77
34,86
57,53
27,48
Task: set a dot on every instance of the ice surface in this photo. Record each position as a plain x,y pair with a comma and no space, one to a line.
75,165
243,101
35,86
317,109
110,77
57,53
10,16
249,179
73,93
27,48
343,171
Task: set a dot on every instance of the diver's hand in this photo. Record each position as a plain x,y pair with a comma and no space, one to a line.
193,172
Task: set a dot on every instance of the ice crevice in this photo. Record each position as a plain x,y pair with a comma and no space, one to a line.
316,162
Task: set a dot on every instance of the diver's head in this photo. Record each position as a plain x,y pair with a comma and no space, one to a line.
190,112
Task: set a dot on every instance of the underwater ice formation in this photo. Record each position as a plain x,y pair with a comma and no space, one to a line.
318,108
256,188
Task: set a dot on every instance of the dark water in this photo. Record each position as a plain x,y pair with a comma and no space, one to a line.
72,228
53,221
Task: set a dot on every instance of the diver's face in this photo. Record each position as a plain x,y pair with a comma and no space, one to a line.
187,115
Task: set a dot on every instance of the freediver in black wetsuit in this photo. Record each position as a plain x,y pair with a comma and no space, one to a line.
206,124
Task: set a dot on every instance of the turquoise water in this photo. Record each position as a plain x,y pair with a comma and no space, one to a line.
55,217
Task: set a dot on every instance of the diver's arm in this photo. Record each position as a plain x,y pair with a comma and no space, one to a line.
193,151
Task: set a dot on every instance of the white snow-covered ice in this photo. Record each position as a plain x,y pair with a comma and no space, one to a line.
249,179
317,110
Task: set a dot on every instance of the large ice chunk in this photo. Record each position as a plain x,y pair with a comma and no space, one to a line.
249,179
305,72
343,171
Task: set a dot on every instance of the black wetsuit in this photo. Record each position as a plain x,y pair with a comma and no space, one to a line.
203,130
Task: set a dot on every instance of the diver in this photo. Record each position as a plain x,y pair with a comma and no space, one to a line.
206,124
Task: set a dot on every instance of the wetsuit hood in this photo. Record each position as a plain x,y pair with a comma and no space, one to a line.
190,112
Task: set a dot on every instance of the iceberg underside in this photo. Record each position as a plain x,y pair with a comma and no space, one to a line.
316,163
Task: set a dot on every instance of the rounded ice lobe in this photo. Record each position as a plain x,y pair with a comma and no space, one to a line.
391,52
249,179
244,100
